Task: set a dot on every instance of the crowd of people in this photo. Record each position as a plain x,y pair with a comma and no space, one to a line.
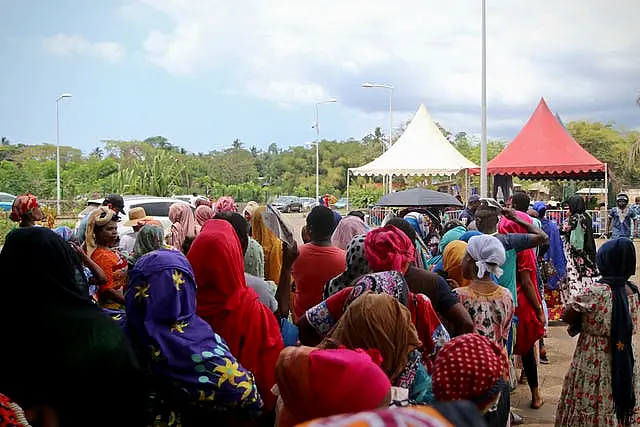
219,320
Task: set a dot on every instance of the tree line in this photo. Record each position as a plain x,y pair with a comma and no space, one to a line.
155,166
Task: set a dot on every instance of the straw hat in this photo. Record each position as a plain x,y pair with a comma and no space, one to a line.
136,215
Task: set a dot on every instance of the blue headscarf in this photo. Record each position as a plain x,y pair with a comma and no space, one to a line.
162,319
616,261
469,234
555,253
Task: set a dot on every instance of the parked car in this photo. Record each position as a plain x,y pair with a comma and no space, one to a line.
308,203
6,201
341,204
156,207
287,204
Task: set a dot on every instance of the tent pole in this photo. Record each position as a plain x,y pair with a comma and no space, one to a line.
606,188
348,170
390,183
466,185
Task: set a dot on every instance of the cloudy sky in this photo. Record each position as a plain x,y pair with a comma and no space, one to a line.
203,72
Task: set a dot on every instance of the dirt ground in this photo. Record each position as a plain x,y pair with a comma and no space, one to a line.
560,347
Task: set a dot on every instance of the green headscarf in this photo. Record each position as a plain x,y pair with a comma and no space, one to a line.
149,239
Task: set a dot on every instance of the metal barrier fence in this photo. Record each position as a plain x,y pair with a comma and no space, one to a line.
599,218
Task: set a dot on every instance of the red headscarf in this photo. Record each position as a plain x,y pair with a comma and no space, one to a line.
315,383
388,249
22,205
470,367
231,308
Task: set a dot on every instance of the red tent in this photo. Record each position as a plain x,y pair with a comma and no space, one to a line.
544,149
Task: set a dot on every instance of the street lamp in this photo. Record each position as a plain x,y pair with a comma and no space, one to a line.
64,95
483,135
390,88
316,126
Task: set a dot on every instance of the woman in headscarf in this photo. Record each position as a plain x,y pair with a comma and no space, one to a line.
473,367
203,214
180,349
92,271
579,250
102,247
26,211
357,266
529,310
433,241
150,238
380,322
346,230
418,223
552,254
456,413
225,204
388,252
455,233
489,304
452,263
183,225
313,383
271,245
602,385
51,309
232,308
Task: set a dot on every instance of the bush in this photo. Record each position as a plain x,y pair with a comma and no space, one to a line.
6,225
361,198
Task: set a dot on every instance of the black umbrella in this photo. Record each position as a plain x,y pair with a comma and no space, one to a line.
419,197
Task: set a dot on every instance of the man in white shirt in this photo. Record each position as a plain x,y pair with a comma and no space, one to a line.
128,240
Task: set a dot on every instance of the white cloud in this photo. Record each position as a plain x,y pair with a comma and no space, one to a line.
63,44
577,53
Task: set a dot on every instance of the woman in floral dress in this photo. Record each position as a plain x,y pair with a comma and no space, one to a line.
490,305
602,385
579,250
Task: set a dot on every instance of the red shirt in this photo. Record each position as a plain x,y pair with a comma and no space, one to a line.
311,271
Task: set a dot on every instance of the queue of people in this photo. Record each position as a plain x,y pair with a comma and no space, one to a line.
221,322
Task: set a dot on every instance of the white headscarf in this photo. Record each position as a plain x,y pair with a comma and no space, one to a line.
488,253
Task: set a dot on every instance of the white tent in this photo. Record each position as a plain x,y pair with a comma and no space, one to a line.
421,150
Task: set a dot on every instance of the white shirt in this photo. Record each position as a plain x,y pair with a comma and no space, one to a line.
128,241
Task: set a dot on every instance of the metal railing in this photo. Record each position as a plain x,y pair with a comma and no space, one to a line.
599,218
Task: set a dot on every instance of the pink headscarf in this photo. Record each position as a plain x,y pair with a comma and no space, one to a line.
388,249
346,230
224,204
183,224
204,213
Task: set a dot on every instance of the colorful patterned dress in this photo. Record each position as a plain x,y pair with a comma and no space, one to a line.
586,398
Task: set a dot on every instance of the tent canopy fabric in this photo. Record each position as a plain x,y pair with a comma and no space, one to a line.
419,197
544,149
421,150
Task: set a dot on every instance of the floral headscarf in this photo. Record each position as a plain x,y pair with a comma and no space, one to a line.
181,346
11,415
22,206
357,265
225,204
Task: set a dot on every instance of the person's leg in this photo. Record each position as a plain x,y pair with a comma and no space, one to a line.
530,369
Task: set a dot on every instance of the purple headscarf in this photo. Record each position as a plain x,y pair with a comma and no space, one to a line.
161,318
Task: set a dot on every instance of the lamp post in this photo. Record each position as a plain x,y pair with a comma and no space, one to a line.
483,135
390,88
316,126
64,95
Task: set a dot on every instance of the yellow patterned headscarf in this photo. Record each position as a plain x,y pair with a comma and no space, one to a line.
100,217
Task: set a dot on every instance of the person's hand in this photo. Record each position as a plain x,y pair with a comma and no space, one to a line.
541,317
77,249
289,254
509,214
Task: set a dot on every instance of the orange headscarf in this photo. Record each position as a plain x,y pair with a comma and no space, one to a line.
271,245
452,261
231,308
